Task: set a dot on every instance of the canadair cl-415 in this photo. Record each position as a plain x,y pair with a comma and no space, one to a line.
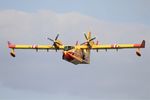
78,53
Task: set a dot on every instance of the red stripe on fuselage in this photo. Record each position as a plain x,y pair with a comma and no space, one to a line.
68,56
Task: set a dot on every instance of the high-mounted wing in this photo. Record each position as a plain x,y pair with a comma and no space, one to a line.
47,47
36,47
57,45
89,45
114,46
119,46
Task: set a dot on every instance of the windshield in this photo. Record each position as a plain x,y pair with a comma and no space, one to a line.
66,48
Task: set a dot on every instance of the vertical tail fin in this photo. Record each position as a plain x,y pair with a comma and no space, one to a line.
89,35
88,51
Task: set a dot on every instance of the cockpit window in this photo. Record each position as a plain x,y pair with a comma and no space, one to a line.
66,48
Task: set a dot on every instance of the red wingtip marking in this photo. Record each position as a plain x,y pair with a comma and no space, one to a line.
10,45
143,44
137,45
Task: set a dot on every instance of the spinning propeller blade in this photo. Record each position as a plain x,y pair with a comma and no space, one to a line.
55,43
50,39
88,40
57,37
85,36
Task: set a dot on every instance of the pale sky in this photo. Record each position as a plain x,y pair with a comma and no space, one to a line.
44,75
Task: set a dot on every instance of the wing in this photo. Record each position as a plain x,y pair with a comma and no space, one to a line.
44,47
119,46
114,46
36,47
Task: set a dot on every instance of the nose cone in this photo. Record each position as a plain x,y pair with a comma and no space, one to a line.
67,56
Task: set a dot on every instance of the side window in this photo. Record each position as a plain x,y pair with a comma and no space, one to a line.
66,48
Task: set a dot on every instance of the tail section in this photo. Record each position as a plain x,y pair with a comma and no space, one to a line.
87,52
89,35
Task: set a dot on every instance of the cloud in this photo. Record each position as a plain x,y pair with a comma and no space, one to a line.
16,24
109,76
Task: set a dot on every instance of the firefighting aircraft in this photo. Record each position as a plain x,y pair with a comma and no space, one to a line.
79,53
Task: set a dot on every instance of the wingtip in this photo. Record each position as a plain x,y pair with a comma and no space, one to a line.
143,44
9,43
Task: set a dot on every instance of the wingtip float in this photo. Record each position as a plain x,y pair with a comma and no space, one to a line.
138,51
78,53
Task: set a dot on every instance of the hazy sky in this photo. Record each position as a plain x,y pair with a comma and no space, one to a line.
44,75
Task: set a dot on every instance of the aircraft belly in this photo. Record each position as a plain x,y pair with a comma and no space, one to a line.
73,59
77,61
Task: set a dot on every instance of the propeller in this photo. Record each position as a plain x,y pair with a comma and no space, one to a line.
55,42
88,40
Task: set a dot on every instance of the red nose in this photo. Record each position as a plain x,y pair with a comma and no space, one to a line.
67,56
